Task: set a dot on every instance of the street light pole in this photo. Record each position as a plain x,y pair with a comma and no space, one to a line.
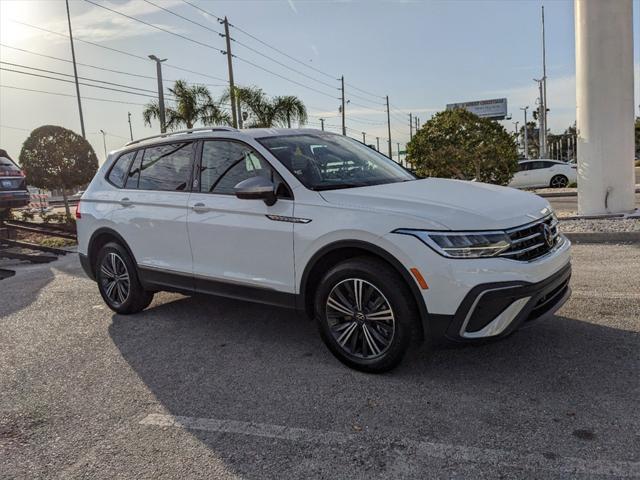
104,142
378,143
163,124
130,129
364,137
526,132
322,124
344,126
389,127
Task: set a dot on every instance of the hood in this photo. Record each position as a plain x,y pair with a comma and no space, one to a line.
450,204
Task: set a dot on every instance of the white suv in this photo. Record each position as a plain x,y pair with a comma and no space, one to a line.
324,224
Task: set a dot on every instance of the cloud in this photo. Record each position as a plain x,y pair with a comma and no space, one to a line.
99,25
293,6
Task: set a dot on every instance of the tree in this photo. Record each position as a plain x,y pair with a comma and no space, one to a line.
56,158
267,113
289,108
637,133
193,103
459,144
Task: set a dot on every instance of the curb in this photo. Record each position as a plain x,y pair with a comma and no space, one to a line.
604,237
565,194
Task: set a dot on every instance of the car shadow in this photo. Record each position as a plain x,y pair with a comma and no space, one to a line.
223,359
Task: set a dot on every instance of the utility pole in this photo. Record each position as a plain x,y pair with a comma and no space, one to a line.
239,113
544,77
104,143
410,127
417,123
378,143
163,124
322,124
130,129
364,137
389,127
75,72
344,126
232,88
398,146
542,133
526,133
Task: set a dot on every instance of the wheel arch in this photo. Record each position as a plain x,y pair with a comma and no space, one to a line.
100,238
336,252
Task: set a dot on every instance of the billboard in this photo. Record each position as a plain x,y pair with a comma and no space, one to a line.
495,109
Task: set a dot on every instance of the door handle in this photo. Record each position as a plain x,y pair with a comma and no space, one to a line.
126,202
200,208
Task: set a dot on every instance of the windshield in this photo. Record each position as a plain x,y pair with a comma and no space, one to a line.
328,161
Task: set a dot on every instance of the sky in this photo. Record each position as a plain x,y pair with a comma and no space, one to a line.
422,54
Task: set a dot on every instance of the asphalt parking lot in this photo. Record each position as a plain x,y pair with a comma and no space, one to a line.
198,387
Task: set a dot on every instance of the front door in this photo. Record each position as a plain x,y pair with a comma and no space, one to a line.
241,248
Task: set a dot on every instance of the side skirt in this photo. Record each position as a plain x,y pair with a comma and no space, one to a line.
155,279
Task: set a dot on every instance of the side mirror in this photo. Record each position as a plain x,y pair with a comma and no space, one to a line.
256,188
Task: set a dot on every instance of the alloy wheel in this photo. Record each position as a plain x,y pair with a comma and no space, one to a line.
360,318
559,182
115,279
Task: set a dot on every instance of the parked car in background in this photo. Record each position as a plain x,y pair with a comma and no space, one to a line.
319,222
542,173
13,184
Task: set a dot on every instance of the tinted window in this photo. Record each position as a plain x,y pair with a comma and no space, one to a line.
548,164
225,164
523,166
536,165
119,171
166,167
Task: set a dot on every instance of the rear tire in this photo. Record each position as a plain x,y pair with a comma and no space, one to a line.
366,314
559,181
118,280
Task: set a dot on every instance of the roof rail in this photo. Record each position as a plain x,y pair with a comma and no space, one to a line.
179,132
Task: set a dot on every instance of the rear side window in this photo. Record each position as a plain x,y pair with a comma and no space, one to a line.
166,167
118,174
7,167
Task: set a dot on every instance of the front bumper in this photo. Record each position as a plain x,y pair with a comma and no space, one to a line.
497,309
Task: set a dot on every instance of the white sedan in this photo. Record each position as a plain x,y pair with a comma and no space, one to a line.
544,173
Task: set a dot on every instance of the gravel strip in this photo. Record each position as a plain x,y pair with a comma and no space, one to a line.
608,225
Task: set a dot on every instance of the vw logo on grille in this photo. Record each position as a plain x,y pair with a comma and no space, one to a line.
547,234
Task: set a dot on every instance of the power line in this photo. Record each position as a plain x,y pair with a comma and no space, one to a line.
282,64
133,55
102,68
220,19
70,81
82,78
283,77
183,17
151,25
72,96
363,91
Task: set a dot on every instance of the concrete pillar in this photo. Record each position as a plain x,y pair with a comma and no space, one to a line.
604,106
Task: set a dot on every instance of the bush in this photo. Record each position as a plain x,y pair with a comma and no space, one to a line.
459,144
27,215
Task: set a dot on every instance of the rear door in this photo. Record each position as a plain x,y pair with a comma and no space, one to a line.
241,248
520,177
150,210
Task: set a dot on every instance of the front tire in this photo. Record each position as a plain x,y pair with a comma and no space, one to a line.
366,314
559,181
118,281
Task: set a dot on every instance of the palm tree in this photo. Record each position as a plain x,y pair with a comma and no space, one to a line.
265,112
289,108
192,103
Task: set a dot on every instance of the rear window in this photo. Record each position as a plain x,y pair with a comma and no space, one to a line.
118,174
7,167
166,167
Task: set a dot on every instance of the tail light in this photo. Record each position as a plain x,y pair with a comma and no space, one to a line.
78,214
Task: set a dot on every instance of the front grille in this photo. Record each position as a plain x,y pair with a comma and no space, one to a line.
533,240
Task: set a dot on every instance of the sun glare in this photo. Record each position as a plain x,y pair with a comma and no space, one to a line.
14,10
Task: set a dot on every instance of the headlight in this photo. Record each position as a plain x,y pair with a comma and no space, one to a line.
463,244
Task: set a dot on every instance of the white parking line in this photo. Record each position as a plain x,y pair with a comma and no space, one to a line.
460,453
